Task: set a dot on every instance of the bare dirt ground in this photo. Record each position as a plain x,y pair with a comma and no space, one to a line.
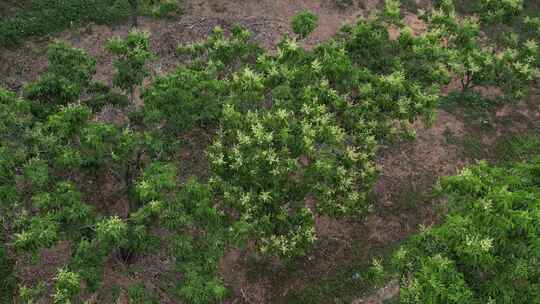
409,170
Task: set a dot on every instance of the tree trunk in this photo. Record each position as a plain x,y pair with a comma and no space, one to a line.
129,177
134,12
466,82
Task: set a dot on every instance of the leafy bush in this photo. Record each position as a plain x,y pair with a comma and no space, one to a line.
68,75
198,256
436,281
511,66
67,287
492,12
67,79
487,250
500,11
304,23
185,99
132,54
305,138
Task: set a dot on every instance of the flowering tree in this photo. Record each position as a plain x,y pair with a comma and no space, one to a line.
487,249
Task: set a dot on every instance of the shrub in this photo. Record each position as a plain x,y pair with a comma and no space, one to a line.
499,11
68,74
511,66
304,23
185,99
487,249
297,133
132,54
67,287
304,138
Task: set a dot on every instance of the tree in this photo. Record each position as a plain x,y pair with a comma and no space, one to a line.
304,23
487,249
481,62
67,77
132,55
294,142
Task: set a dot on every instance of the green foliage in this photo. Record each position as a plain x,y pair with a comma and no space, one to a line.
40,158
518,148
101,95
185,99
511,66
219,54
15,120
68,74
436,281
392,10
31,295
297,133
42,17
132,55
88,259
489,11
533,25
155,180
423,58
197,235
111,231
499,11
138,294
193,95
487,250
258,174
305,138
197,254
67,79
304,23
161,8
7,279
67,287
291,132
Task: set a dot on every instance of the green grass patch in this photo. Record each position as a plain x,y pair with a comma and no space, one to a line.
349,283
473,108
473,148
43,17
7,279
161,8
518,148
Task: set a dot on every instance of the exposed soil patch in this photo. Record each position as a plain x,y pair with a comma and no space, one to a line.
50,261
